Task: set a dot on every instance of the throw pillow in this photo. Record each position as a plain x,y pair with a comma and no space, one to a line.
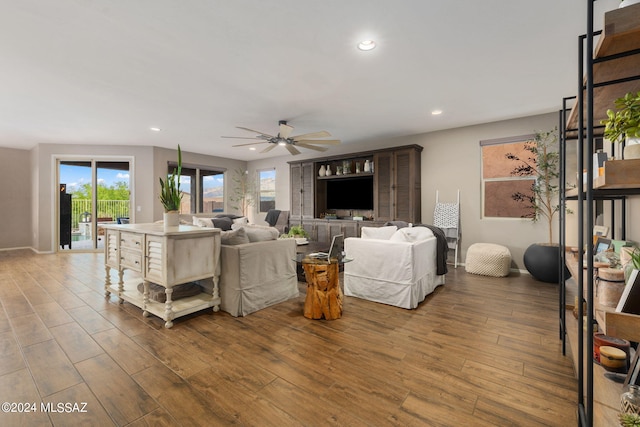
381,233
203,222
223,223
234,237
261,233
413,234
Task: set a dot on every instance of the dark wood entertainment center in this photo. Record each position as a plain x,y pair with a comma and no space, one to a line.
394,180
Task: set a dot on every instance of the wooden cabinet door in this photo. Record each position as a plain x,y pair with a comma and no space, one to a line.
383,199
295,210
308,187
406,186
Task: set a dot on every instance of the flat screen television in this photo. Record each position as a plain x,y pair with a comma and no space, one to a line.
350,193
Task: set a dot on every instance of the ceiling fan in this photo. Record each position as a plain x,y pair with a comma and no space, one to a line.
285,139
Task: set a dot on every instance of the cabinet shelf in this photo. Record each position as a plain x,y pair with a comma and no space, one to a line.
349,175
621,33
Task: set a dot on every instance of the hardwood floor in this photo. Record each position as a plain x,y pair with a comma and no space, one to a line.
480,351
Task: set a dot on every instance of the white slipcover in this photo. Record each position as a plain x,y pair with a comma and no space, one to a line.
401,274
257,275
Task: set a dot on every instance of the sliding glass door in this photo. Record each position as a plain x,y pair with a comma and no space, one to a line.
92,193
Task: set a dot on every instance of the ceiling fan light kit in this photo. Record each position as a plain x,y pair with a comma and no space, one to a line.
284,138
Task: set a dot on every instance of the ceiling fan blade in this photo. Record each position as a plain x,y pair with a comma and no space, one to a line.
241,137
269,148
293,150
255,131
285,130
312,147
250,143
319,141
320,134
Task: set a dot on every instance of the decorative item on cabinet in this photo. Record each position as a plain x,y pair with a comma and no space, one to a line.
346,167
322,171
170,195
367,166
624,123
338,170
328,172
630,400
357,167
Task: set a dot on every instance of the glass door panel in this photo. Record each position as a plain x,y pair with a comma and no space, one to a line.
113,195
76,189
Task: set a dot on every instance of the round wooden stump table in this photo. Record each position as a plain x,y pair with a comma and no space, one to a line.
324,295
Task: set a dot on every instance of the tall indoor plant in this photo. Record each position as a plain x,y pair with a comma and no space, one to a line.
170,194
624,123
543,164
243,194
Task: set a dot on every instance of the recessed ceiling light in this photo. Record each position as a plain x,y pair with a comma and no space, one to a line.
155,129
436,112
252,148
367,45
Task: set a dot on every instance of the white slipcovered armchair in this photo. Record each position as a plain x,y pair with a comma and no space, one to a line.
391,266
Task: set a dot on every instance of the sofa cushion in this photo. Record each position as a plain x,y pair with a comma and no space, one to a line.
261,233
234,237
411,234
381,233
223,223
239,222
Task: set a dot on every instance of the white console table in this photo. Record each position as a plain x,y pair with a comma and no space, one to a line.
167,257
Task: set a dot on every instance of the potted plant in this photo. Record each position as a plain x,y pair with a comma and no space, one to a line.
297,231
624,124
170,195
541,259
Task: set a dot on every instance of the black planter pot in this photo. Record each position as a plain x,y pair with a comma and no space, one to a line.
542,261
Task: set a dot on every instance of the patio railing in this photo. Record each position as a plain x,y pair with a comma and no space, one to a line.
113,209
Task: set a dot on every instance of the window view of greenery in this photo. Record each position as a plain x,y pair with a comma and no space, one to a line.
267,190
206,196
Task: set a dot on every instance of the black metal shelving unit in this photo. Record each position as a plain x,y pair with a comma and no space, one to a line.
585,133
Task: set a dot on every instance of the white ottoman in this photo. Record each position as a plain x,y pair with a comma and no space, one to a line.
488,259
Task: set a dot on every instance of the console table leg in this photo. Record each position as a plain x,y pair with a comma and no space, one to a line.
216,294
145,298
168,309
107,281
121,284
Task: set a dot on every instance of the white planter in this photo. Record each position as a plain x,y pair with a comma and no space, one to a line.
171,219
626,3
632,148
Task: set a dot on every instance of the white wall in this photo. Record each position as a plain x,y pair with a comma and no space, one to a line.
15,193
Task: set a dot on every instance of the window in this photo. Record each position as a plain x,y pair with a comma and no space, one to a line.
498,184
267,189
202,188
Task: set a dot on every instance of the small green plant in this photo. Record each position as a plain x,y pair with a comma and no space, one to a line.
170,194
297,231
629,420
625,120
635,258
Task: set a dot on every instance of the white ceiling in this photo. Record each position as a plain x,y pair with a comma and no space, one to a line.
104,71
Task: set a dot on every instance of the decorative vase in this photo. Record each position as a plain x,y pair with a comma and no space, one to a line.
367,166
625,3
171,219
543,262
338,170
322,171
346,167
630,401
357,167
328,172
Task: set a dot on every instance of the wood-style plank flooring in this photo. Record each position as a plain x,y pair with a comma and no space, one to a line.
480,351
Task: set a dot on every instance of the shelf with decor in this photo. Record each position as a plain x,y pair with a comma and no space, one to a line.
608,74
347,176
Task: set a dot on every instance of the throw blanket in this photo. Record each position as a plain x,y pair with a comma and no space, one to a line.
442,247
272,216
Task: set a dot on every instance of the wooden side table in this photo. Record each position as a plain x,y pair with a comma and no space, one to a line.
324,295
